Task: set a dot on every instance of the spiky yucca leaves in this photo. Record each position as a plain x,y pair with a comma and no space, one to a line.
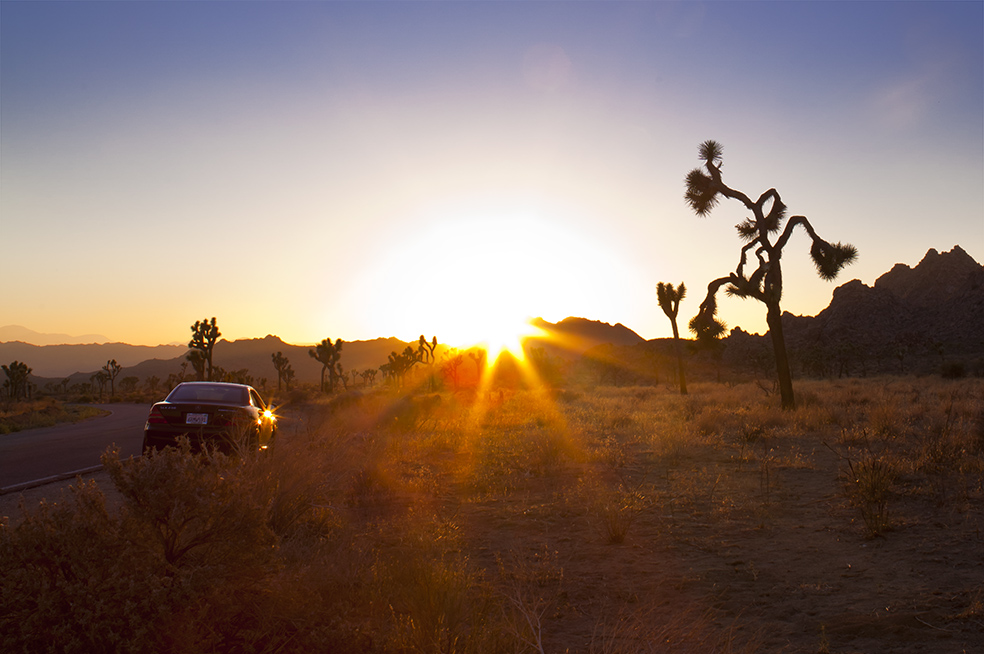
710,152
701,194
705,325
669,298
830,258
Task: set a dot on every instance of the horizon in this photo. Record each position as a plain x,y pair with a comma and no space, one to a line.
333,170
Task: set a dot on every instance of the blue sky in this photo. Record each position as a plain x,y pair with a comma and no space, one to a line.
354,170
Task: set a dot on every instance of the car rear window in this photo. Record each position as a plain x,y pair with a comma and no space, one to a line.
208,393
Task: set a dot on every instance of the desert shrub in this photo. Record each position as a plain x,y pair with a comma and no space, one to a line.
953,370
71,582
871,472
617,510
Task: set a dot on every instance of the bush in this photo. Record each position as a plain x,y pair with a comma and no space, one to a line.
953,370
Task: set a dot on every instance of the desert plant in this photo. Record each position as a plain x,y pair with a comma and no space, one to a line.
112,370
204,335
704,190
16,383
327,354
871,473
669,301
285,372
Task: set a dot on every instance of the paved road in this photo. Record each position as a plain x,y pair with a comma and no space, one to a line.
38,453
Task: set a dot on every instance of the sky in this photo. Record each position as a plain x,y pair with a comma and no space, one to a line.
371,169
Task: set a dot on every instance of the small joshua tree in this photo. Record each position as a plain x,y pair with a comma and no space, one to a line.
669,301
765,238
282,364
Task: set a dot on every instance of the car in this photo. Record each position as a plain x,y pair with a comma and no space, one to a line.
232,418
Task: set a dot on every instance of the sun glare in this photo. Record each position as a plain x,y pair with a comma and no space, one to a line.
505,334
478,278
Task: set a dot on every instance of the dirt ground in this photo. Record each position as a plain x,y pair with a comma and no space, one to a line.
790,568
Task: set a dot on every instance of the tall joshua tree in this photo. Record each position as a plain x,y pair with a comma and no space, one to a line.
112,372
669,301
204,334
765,238
328,354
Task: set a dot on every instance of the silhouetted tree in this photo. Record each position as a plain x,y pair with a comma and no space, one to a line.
282,364
452,361
669,301
400,364
704,189
112,370
204,335
288,376
425,354
328,354
129,384
99,379
479,356
368,376
152,383
16,383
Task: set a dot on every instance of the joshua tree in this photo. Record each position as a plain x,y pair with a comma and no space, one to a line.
327,353
204,334
765,238
478,356
99,379
425,350
400,364
112,370
425,354
669,301
16,384
452,361
282,364
368,376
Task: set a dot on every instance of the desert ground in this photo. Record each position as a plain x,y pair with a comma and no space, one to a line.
595,520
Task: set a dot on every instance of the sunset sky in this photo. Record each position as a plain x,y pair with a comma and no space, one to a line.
367,169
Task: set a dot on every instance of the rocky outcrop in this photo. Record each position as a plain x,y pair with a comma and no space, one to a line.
927,312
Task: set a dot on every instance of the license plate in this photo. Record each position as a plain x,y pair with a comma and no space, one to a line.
196,419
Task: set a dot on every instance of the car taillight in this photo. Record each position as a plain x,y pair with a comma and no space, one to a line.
156,417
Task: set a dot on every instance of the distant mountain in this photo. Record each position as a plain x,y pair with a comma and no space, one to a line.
572,337
79,362
63,360
11,333
256,356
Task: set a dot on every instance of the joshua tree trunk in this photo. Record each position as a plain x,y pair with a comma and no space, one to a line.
679,358
774,320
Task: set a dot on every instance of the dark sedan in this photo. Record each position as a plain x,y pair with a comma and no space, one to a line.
230,417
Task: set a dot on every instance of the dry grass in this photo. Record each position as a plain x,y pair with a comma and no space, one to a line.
43,412
585,520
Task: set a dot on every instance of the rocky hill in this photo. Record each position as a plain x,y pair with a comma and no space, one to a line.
572,337
911,320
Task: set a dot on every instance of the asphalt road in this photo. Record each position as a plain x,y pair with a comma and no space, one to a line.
35,454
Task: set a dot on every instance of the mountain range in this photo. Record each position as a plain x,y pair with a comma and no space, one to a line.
935,309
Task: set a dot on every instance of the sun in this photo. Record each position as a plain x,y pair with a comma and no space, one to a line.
475,278
505,334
